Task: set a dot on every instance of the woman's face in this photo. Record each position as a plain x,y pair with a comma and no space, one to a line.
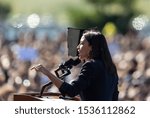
84,49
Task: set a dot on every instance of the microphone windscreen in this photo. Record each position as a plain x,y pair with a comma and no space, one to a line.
72,62
76,61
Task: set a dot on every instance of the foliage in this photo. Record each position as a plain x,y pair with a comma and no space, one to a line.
5,9
117,11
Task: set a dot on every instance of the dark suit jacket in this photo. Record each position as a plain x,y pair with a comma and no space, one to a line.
93,83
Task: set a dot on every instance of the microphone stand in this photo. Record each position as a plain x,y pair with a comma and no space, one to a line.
43,88
65,70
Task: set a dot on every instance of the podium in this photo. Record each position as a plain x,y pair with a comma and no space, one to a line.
42,96
45,97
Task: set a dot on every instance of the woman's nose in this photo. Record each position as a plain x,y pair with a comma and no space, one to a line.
77,46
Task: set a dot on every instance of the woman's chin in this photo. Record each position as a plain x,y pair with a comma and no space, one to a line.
82,59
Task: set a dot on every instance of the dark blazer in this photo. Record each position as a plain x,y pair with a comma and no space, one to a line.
93,83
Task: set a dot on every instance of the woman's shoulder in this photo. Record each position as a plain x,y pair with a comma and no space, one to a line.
92,63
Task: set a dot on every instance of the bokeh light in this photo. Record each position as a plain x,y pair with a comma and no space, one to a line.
140,22
33,20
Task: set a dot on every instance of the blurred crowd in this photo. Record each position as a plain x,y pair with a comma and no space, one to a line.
18,56
130,53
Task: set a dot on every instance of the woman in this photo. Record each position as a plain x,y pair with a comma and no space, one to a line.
98,78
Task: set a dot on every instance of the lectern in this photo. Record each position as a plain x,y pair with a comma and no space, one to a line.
35,96
42,96
45,97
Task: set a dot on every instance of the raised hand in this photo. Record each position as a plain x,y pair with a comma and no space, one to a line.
41,68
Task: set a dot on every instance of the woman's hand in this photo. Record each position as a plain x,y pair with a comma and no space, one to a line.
42,69
53,78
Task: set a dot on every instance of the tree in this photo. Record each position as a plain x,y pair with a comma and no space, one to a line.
117,11
5,9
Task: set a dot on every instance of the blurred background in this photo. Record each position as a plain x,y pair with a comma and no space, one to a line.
33,32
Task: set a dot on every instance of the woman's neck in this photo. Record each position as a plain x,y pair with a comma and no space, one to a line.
87,60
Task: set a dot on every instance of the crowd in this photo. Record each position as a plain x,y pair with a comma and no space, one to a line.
130,53
133,66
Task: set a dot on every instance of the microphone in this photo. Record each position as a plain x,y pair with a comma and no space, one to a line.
64,68
71,62
76,61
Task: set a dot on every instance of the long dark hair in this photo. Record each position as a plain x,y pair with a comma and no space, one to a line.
100,49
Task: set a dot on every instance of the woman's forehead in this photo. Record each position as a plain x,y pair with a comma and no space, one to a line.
82,39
